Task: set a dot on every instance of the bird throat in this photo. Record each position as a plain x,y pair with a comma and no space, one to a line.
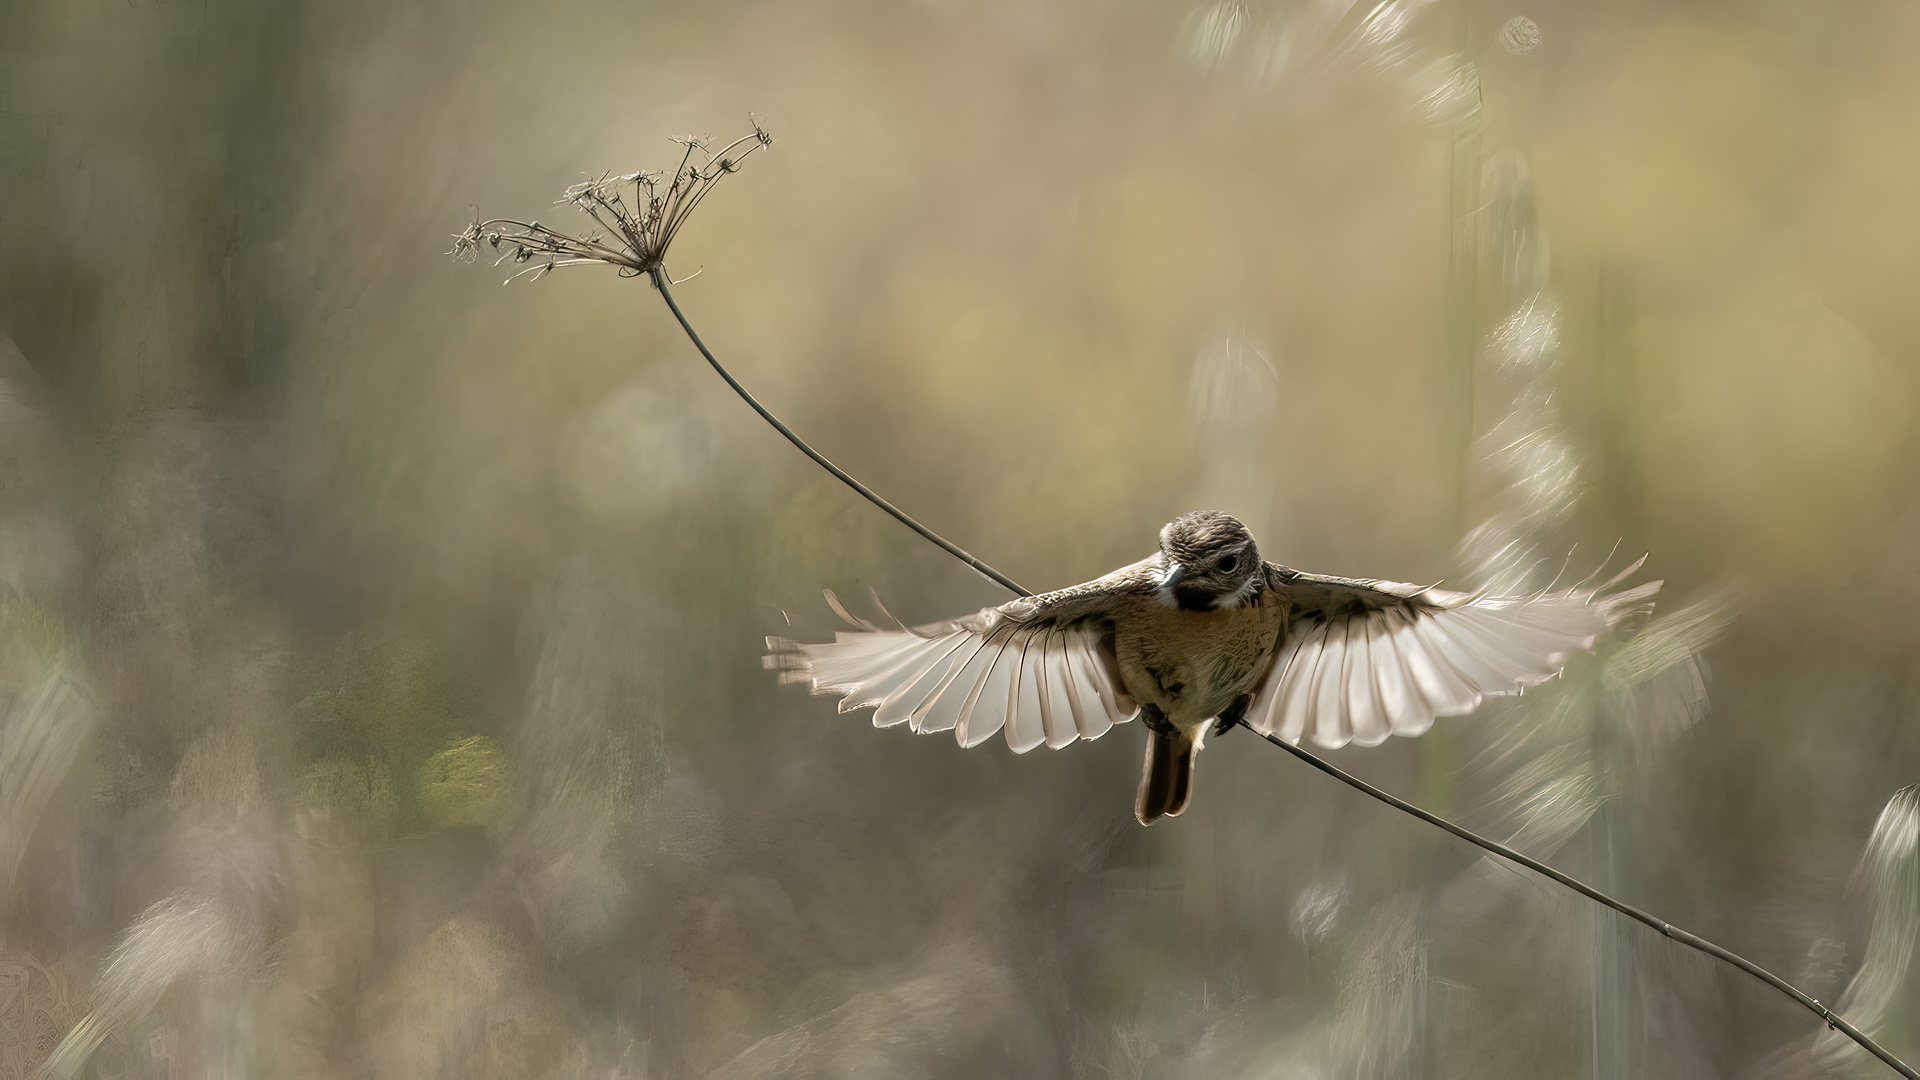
1189,598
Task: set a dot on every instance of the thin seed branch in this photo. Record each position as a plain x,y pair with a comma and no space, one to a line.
659,275
1666,929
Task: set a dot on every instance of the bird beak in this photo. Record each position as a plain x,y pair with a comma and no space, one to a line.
1174,575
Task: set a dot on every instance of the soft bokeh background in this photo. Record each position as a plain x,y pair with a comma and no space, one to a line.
380,646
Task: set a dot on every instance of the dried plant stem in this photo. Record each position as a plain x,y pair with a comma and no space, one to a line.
1666,929
1692,941
660,281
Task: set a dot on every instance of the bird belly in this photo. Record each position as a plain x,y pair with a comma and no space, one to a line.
1193,664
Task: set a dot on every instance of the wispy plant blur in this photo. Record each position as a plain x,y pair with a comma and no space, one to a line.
379,646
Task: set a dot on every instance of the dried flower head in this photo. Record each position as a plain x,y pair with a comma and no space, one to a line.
638,215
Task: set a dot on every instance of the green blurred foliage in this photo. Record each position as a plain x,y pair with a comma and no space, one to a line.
464,785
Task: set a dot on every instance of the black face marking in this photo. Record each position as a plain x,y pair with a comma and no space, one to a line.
1192,598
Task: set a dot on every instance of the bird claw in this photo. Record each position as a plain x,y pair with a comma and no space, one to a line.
1236,714
1157,721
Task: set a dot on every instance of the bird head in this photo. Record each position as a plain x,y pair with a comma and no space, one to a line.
1211,562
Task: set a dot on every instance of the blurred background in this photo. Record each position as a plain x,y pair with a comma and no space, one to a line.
380,646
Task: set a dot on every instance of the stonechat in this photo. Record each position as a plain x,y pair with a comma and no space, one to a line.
1199,637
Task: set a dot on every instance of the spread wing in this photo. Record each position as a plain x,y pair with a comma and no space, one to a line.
1364,659
1040,668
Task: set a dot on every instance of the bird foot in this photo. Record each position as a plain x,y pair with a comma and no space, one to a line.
1156,720
1236,713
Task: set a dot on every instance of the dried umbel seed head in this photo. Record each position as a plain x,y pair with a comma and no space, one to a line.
637,215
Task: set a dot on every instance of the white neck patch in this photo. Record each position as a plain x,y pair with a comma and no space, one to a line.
1240,597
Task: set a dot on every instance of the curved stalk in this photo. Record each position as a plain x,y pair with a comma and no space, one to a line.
1666,929
660,281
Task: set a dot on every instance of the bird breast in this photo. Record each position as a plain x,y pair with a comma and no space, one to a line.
1193,664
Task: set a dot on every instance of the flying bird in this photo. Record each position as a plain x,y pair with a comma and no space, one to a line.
1199,637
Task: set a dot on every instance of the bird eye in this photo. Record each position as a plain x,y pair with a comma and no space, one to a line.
1227,564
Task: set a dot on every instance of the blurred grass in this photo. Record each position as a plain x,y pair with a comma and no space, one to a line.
303,505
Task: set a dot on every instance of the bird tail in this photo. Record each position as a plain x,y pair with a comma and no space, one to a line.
1167,781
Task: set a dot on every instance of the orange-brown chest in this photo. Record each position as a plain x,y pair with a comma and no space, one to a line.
1193,664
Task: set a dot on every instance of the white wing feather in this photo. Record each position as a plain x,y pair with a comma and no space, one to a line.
1038,682
1364,660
